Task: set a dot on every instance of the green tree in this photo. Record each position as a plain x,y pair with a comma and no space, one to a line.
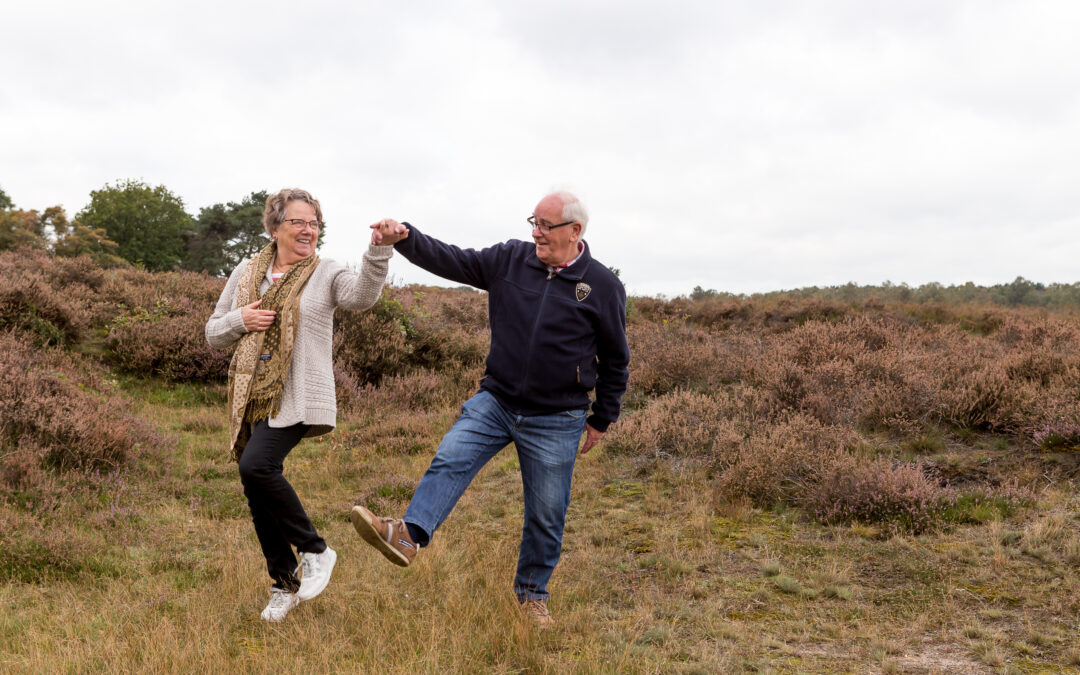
224,235
700,293
21,228
1020,292
73,239
147,223
5,201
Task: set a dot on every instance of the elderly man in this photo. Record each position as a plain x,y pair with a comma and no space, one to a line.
558,330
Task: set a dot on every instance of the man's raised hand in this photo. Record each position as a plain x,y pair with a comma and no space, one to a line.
387,232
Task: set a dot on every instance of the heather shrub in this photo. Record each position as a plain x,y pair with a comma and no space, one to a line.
852,371
986,398
167,343
780,462
717,312
412,349
683,424
447,346
159,325
131,289
666,357
1056,427
394,434
374,343
417,390
31,551
897,496
450,327
29,304
80,273
657,310
789,312
61,415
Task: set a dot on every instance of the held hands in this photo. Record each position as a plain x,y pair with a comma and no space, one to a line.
257,319
387,232
592,437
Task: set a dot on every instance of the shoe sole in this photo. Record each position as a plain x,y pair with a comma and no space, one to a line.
365,527
313,593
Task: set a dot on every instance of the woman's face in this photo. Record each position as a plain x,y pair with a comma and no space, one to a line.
296,243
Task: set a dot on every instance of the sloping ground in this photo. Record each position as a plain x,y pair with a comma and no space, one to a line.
656,576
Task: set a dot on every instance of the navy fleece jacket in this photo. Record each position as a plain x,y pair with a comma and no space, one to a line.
553,338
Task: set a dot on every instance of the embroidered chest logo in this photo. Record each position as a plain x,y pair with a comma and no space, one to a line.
582,291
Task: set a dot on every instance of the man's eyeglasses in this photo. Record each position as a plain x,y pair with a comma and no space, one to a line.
299,223
544,227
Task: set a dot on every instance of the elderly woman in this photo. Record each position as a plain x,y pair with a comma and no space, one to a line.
278,309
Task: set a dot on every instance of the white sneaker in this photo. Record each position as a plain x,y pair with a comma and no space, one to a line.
281,601
317,568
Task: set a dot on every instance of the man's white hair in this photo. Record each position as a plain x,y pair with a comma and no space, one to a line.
573,209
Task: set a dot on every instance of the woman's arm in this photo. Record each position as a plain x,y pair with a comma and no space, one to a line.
361,290
226,324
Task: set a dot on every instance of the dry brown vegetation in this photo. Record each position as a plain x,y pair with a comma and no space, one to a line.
799,483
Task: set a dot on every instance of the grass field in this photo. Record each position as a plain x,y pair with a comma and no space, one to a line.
659,574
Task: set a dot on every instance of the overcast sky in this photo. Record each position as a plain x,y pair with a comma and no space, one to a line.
742,146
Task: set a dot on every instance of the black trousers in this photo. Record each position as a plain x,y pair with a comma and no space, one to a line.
279,517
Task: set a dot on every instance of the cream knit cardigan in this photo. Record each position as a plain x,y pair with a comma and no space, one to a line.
309,389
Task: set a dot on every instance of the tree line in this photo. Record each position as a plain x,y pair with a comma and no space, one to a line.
133,222
1019,292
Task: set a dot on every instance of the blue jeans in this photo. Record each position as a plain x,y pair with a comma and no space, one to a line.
547,446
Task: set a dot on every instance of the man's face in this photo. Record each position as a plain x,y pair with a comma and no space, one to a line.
559,245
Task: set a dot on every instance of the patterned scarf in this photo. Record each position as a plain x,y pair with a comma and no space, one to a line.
261,362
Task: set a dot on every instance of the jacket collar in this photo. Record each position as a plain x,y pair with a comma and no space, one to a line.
574,273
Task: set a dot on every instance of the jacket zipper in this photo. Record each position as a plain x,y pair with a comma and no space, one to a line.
532,337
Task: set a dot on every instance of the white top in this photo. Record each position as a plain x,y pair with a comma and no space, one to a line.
309,389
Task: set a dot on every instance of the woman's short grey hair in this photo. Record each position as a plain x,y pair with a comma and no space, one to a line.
274,213
573,209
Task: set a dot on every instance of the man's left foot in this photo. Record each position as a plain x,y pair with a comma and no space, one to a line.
537,611
317,568
390,537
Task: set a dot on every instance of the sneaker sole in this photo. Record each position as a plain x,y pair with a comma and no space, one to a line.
314,592
361,520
